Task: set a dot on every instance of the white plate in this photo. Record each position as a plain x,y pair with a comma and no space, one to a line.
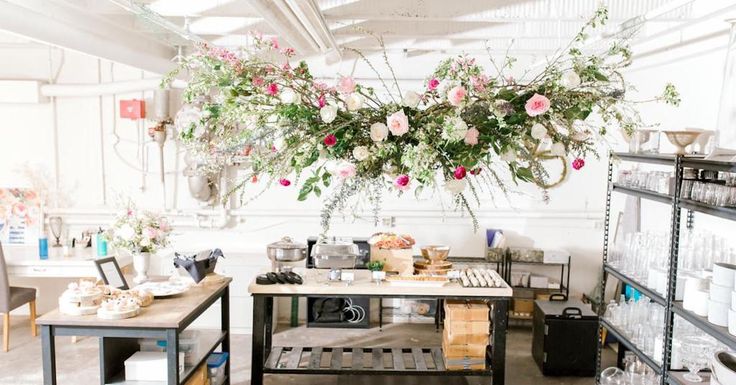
163,289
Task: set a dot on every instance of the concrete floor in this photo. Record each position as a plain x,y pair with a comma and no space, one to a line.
77,364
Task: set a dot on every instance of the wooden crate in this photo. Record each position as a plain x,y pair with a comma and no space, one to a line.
466,311
465,339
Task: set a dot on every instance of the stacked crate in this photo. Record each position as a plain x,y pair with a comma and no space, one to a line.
466,335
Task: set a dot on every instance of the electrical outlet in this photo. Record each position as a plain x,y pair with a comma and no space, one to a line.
388,221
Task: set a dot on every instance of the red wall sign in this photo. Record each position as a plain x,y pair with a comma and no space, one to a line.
132,109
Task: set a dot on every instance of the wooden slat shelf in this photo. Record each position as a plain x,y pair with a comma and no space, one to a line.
358,360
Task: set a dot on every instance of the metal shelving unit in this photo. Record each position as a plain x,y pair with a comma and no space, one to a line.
672,307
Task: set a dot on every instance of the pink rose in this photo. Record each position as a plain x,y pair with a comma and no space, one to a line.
433,84
346,85
398,123
330,140
346,170
284,182
471,136
456,95
402,182
459,172
272,89
578,163
537,105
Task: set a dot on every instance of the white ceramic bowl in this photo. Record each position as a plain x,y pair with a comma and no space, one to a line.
724,274
723,366
720,293
732,322
718,313
696,301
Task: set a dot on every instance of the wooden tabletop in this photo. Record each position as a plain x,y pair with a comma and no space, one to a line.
315,283
163,313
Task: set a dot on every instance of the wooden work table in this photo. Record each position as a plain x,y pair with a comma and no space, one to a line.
268,359
164,319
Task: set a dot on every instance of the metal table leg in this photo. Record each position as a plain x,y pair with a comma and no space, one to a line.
48,351
225,327
172,356
259,332
268,331
498,358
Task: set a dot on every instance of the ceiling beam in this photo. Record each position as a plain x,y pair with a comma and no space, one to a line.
350,19
63,26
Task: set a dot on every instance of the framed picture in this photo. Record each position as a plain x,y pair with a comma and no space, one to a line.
110,273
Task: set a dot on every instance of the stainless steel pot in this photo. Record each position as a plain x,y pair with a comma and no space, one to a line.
336,255
286,250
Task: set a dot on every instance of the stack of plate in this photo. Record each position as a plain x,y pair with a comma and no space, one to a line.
435,261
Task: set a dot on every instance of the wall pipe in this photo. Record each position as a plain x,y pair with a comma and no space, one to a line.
111,88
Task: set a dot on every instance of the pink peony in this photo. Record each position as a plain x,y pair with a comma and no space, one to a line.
257,81
456,95
272,89
330,140
578,163
322,101
284,182
398,123
471,136
402,182
459,172
346,85
433,84
537,105
346,170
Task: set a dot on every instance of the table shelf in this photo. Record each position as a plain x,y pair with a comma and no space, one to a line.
720,333
631,346
645,194
676,378
653,295
414,361
209,341
664,159
717,211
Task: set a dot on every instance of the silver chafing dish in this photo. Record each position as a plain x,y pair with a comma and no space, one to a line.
335,255
285,250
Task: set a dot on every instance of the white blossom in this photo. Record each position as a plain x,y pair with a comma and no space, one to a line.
411,99
354,101
539,132
361,153
454,129
570,79
379,132
328,113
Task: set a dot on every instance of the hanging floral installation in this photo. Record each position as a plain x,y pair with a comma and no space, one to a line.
454,135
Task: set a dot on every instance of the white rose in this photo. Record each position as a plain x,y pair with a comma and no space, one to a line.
456,186
354,101
379,132
411,99
509,156
454,129
126,232
539,132
145,242
288,96
558,149
328,113
199,131
570,79
361,153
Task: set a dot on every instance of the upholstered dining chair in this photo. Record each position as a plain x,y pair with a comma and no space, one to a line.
12,297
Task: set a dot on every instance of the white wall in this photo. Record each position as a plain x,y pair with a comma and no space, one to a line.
572,220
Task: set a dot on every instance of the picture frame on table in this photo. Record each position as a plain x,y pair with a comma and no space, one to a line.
110,272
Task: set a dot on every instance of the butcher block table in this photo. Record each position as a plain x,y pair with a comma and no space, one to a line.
164,319
268,359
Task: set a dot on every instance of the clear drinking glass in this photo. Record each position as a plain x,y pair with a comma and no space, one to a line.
695,358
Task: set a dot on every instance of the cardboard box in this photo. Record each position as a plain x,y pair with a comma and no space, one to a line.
199,377
523,305
468,327
149,366
520,278
538,281
465,339
463,351
466,311
465,364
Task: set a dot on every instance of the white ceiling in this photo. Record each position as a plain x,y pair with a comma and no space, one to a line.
130,31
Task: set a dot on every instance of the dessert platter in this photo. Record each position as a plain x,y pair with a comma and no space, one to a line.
107,302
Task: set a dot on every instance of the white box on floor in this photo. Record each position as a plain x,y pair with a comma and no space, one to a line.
538,281
149,366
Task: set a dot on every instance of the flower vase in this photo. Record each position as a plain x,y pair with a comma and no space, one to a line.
141,263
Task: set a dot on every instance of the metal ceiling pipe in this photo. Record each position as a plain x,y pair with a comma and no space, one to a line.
112,88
